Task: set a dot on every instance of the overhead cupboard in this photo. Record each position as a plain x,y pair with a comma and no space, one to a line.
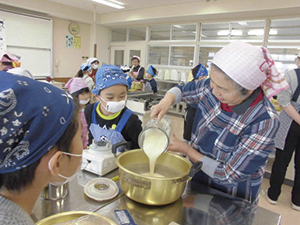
30,37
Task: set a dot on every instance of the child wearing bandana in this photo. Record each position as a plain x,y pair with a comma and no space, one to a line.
84,73
39,143
151,83
109,117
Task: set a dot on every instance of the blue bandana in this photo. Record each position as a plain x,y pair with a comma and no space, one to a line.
33,117
150,71
202,72
108,75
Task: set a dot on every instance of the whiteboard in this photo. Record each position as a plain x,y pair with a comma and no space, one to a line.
31,38
37,61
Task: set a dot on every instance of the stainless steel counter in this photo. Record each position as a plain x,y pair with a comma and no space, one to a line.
75,200
198,205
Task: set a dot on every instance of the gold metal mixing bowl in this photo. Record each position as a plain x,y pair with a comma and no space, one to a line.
153,190
72,215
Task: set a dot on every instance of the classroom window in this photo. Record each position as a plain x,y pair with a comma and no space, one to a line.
119,34
182,55
137,34
184,32
160,33
284,30
119,57
206,54
173,32
284,57
159,55
237,30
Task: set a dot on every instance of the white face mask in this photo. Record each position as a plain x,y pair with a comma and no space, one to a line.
95,66
68,179
84,102
113,107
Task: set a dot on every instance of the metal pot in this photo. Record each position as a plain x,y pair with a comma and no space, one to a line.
154,190
52,192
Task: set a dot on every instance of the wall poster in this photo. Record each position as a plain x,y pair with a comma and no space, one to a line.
77,42
2,35
69,41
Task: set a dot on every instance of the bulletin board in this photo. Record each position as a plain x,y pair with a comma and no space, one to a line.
30,37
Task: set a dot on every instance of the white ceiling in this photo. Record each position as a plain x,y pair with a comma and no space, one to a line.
129,4
140,12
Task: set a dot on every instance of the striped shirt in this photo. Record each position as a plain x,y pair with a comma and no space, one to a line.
235,145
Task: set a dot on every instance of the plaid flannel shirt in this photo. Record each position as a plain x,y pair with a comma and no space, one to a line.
236,146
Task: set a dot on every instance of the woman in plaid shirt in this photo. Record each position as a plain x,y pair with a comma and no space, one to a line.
235,123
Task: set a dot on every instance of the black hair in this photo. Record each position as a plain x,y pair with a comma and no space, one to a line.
154,70
7,63
83,90
95,61
17,180
195,70
79,73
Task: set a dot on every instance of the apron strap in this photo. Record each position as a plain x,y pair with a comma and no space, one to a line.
125,117
94,120
297,91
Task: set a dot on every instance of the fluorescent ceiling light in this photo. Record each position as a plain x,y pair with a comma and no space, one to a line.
223,32
258,32
273,32
111,4
243,23
237,32
117,2
233,32
178,26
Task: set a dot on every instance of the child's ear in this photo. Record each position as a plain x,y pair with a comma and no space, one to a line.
54,164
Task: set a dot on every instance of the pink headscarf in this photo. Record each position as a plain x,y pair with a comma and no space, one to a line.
76,84
250,66
7,56
136,57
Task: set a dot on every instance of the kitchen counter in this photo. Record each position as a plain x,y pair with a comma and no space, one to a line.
198,205
76,200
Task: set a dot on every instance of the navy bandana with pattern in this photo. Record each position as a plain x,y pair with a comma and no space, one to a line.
33,117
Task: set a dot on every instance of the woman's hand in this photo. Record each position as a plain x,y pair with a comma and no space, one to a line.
177,145
159,110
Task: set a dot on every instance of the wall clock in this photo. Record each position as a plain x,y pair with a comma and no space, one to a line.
73,28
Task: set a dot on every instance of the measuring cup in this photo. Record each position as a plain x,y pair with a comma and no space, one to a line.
162,127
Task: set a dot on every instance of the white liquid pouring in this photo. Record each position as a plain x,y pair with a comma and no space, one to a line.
155,143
